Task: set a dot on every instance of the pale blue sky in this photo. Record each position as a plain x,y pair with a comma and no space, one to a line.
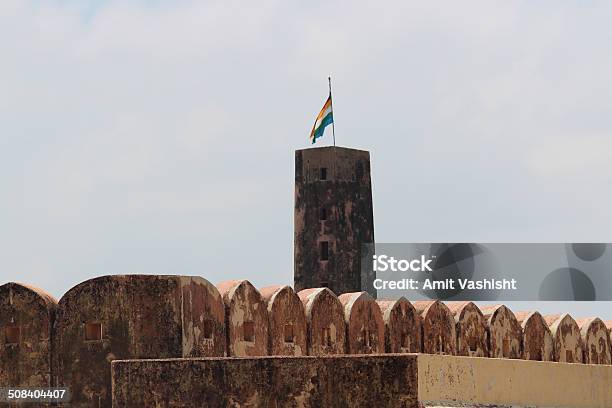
158,137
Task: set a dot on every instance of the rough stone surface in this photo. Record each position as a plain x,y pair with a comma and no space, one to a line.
567,341
608,324
246,319
132,316
268,382
326,332
595,340
364,324
438,328
345,198
537,338
26,320
402,326
504,332
471,329
287,322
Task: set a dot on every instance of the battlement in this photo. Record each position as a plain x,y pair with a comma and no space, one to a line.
73,342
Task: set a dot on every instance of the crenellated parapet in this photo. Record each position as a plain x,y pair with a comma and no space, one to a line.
537,339
27,315
72,342
504,332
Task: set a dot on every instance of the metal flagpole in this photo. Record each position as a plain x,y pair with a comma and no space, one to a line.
331,102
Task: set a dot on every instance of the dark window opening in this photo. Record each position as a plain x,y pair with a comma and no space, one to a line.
325,284
208,329
248,331
12,334
569,356
323,214
472,346
440,345
93,331
324,250
359,171
323,173
288,333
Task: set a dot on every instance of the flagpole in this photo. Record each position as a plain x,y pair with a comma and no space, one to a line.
331,100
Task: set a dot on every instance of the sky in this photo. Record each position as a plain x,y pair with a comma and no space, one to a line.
158,137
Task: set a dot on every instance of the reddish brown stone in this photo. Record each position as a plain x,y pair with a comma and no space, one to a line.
438,327
608,324
326,333
595,340
287,321
132,316
246,319
567,342
268,382
364,324
504,332
471,329
402,326
537,338
26,320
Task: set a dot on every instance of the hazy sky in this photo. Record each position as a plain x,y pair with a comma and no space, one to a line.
159,136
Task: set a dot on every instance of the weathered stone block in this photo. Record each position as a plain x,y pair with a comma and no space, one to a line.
326,332
595,340
364,324
132,316
537,338
403,326
287,322
26,320
438,327
246,319
504,332
567,342
308,382
608,324
471,329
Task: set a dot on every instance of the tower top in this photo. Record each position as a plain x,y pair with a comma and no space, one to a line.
332,163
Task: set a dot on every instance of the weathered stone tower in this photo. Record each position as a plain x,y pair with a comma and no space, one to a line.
333,217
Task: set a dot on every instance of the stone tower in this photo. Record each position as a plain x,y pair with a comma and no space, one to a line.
333,217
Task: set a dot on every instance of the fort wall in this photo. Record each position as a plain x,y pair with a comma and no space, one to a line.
309,382
72,343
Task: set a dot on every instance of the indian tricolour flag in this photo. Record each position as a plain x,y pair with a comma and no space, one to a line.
324,118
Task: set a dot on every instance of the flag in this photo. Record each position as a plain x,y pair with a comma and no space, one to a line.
324,118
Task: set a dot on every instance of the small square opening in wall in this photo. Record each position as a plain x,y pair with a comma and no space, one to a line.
248,331
288,333
472,347
323,214
323,173
569,356
324,249
93,331
208,329
12,334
